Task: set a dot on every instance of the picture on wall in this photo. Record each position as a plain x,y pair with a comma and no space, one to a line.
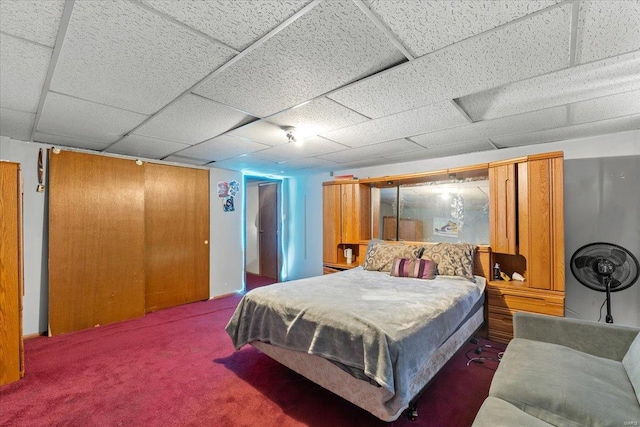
445,227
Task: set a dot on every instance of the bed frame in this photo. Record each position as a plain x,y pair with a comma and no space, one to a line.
369,397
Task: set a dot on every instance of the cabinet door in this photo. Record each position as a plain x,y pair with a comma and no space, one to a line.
502,211
331,219
11,367
542,223
356,217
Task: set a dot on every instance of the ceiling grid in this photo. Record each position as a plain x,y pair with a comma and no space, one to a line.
364,82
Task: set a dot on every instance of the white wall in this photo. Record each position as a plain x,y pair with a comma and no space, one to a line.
252,248
226,252
35,251
626,303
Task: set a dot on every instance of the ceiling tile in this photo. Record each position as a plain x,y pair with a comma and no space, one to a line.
607,28
222,147
527,48
236,23
249,164
455,149
34,20
120,54
331,45
67,141
16,124
312,146
423,27
408,123
318,116
261,131
186,160
376,150
142,146
607,107
193,119
575,84
571,132
23,67
311,162
537,120
67,116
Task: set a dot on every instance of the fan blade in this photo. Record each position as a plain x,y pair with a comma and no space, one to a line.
614,283
618,257
584,261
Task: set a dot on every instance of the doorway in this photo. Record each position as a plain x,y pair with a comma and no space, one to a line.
262,234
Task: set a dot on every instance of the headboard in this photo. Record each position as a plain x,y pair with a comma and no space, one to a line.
481,261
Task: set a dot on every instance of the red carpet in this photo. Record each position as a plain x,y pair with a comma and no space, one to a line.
253,281
176,367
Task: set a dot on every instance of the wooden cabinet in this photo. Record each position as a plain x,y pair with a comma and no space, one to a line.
346,220
527,236
502,211
506,298
11,277
410,230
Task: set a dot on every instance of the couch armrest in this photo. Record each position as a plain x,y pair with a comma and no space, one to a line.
599,339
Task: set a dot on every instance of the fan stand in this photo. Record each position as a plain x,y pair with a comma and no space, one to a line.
607,282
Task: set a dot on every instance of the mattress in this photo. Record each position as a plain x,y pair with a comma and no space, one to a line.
369,322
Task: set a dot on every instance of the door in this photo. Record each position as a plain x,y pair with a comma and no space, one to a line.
96,241
176,236
268,230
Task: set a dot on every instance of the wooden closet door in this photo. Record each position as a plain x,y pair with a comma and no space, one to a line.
11,352
96,241
176,235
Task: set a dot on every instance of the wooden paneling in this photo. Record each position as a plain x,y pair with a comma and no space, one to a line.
539,256
176,215
11,351
502,212
355,212
557,215
409,230
331,222
96,241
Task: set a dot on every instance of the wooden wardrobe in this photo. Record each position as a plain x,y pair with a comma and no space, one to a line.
125,238
11,274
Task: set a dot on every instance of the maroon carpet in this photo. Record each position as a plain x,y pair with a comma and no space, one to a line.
176,367
253,281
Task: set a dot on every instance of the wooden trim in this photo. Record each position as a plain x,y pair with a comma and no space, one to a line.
508,161
230,294
35,335
543,156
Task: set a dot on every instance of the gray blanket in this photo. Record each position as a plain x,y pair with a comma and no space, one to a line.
386,326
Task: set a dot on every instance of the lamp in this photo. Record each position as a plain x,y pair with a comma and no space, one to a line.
291,137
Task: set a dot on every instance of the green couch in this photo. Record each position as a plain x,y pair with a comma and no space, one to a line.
565,372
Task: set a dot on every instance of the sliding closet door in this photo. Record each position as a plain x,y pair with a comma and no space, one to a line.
177,235
96,241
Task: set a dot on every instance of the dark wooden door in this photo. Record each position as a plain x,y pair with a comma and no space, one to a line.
268,230
176,235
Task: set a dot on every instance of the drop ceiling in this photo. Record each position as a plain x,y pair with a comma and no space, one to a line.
364,82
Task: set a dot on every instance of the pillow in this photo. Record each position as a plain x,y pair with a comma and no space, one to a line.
380,255
409,267
453,259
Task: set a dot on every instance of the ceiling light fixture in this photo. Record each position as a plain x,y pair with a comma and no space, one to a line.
291,137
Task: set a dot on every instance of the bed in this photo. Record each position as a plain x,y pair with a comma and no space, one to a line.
368,336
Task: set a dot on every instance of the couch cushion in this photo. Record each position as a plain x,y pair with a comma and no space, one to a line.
631,362
563,386
494,412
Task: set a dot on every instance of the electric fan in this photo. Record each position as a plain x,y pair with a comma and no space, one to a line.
605,267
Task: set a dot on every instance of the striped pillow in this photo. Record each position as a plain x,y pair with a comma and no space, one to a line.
411,267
